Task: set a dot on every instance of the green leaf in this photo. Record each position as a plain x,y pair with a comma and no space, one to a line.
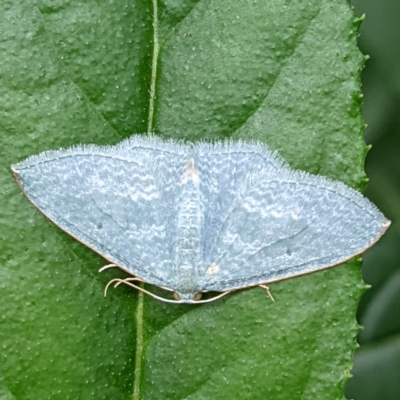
286,73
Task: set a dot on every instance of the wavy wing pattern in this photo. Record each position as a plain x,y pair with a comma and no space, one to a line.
261,221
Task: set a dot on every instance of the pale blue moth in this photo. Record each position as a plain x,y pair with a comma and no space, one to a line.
193,218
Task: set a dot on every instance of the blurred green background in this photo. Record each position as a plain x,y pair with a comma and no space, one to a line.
376,371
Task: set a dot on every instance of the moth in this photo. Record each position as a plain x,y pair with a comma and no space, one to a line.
194,218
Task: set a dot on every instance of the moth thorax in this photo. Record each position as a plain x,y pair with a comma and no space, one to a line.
189,226
190,216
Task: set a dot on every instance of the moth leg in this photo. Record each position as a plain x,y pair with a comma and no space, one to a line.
107,267
128,281
118,281
266,288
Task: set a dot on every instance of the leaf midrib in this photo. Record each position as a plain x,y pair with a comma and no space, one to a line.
140,299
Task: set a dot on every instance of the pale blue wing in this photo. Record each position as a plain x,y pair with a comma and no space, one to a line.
287,223
260,222
117,200
224,167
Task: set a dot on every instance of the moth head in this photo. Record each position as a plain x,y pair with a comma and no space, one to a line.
187,297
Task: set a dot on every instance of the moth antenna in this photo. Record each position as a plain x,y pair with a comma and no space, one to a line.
136,279
127,282
166,288
214,298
